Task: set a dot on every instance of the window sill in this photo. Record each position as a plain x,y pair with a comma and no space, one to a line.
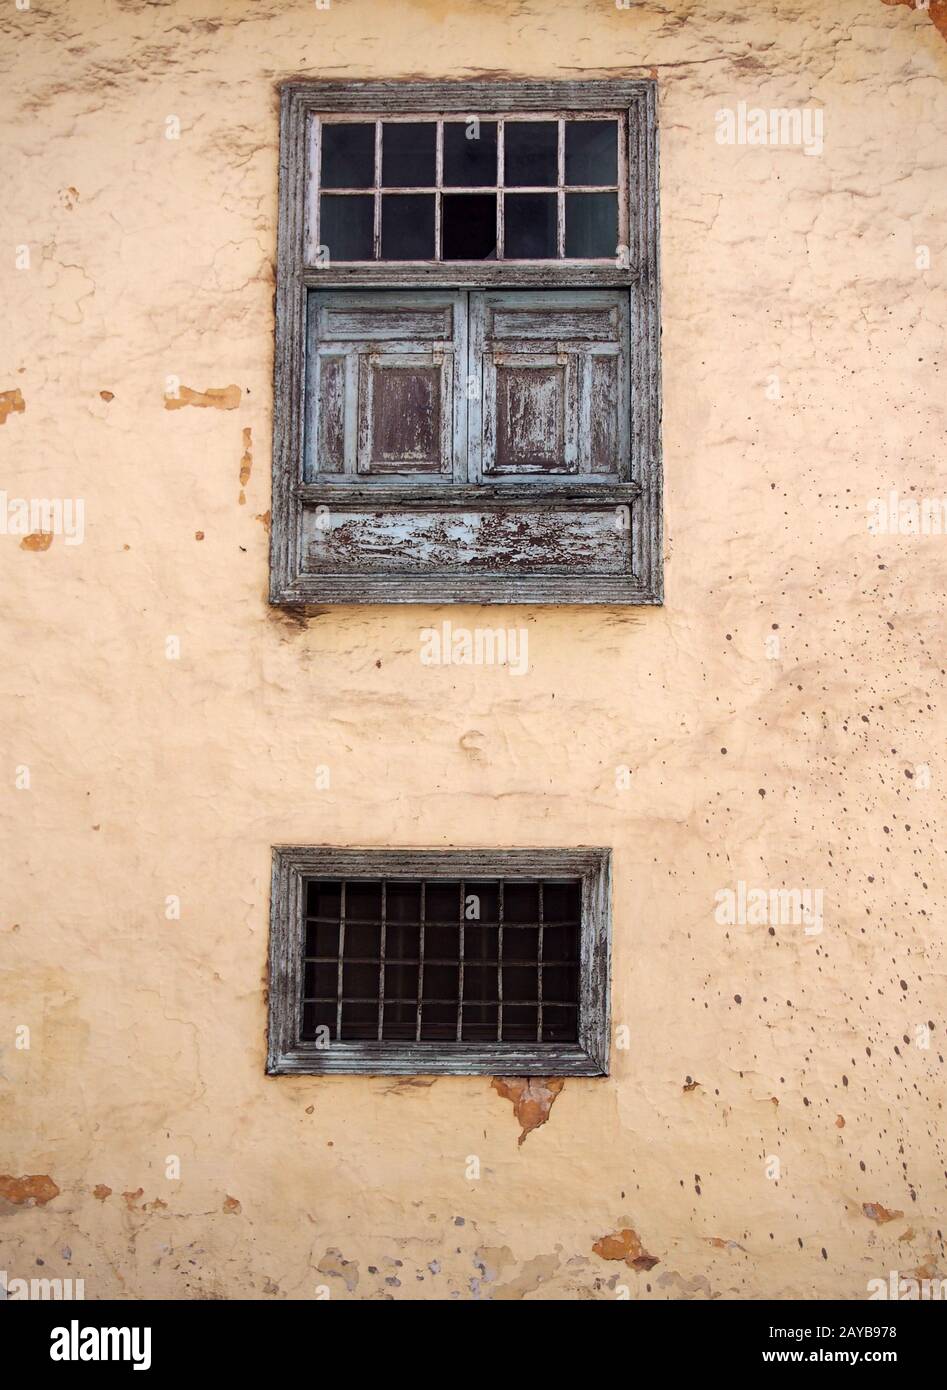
435,1059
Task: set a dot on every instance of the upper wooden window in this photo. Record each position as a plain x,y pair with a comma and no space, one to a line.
467,378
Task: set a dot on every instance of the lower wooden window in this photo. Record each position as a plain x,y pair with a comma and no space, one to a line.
439,961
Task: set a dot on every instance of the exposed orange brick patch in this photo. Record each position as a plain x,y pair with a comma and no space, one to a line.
107,396
11,403
34,1190
156,1205
876,1212
840,1122
264,517
937,11
625,1245
232,1206
100,1192
198,535
132,1197
37,540
532,1098
215,397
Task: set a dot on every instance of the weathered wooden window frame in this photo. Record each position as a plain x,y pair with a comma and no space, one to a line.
288,1054
639,498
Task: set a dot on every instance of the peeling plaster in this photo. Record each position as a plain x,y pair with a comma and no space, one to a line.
937,9
214,398
11,402
37,541
34,1190
625,1245
532,1099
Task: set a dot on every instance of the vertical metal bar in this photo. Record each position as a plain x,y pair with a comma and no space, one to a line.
376,239
460,954
539,970
500,906
338,1003
439,185
560,191
417,1035
381,964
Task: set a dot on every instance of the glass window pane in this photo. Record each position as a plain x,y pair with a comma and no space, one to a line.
407,227
470,154
348,156
529,226
346,227
530,154
408,154
469,227
592,225
591,152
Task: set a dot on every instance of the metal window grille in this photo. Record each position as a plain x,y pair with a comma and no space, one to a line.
472,961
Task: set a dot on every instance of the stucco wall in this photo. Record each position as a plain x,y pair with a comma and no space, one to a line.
790,764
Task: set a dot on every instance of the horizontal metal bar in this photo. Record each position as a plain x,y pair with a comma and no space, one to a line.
487,189
465,1003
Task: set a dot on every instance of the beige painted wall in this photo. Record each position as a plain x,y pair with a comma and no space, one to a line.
150,777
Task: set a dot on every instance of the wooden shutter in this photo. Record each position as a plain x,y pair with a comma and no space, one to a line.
386,376
550,385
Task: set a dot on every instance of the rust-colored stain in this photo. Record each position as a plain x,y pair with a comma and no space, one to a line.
34,1190
719,1243
876,1212
232,1206
156,1205
107,396
625,1245
198,535
11,403
246,463
264,517
937,9
37,540
691,1085
532,1098
840,1122
132,1197
100,1192
215,397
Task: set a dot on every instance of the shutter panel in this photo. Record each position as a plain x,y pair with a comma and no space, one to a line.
385,373
551,376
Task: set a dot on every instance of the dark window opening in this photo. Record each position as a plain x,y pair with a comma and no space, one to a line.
470,226
470,154
531,155
471,961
